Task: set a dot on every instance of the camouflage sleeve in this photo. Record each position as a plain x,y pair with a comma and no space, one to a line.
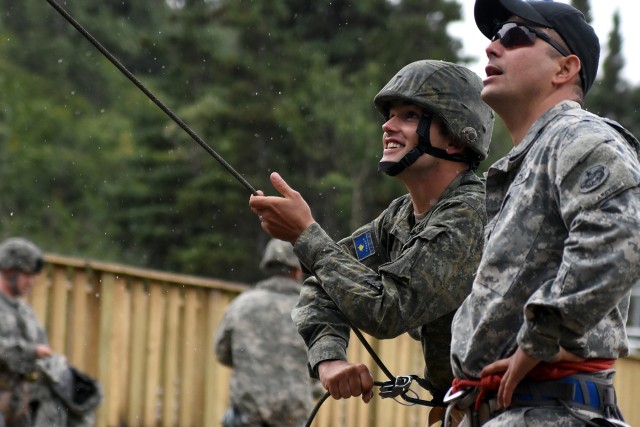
599,200
321,325
16,353
429,278
222,339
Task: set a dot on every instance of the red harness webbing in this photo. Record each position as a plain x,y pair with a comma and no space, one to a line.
543,371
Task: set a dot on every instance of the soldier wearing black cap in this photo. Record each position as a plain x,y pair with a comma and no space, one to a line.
536,339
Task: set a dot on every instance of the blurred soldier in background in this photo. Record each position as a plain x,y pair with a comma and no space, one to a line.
33,389
270,383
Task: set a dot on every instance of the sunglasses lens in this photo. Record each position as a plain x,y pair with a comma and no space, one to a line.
512,35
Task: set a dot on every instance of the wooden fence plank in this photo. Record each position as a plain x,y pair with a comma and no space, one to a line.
137,354
219,376
104,415
171,357
155,344
78,319
120,361
190,349
58,314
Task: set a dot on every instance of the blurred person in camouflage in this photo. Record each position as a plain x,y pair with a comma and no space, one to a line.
535,342
258,340
23,341
28,397
409,269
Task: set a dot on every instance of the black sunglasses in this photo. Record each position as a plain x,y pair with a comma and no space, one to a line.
515,34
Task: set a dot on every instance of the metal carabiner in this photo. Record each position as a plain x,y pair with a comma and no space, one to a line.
396,388
450,397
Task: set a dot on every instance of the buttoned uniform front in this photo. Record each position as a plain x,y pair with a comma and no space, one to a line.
270,384
412,277
562,249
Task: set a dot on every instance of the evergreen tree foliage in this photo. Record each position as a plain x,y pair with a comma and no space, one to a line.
612,96
583,6
90,167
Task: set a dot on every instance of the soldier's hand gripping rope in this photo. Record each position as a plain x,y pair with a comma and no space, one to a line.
395,387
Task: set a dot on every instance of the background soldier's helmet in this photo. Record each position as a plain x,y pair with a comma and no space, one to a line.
20,254
278,255
448,91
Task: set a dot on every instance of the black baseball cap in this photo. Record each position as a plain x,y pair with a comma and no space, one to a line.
565,19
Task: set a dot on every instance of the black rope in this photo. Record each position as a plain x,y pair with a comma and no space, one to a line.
372,353
230,169
316,408
386,384
151,96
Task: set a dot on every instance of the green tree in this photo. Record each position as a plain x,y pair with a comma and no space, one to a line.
584,6
612,96
282,85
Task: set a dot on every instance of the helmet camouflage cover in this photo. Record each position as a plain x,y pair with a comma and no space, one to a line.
20,254
278,254
448,91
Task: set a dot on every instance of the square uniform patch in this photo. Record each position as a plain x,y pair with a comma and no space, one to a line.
364,245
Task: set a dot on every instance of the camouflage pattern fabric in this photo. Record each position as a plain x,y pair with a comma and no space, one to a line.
540,417
65,396
257,338
562,246
20,332
411,277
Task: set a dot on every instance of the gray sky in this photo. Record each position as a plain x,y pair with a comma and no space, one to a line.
602,12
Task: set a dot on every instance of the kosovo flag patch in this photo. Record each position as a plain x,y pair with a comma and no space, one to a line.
364,245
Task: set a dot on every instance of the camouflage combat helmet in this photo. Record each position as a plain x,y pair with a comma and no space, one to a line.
277,254
20,254
448,91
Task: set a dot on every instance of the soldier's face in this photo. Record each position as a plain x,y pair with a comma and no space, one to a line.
399,131
24,283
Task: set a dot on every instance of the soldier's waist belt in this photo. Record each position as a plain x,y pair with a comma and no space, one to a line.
583,391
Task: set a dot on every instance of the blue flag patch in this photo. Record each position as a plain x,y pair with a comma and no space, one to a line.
364,245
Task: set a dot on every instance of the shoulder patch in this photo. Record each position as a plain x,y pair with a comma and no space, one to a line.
364,245
593,178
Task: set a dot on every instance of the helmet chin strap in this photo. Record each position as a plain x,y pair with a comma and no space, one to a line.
423,146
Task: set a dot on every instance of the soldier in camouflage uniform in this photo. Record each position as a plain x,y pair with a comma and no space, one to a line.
257,338
23,341
28,394
546,316
409,269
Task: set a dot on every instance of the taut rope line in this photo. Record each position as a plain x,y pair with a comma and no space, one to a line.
151,96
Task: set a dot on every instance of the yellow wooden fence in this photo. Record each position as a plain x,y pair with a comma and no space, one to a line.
147,336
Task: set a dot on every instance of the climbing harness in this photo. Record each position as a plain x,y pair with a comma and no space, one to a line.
564,384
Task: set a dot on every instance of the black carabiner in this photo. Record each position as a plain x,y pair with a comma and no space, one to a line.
397,387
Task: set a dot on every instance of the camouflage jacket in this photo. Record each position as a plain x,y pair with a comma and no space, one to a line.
562,245
20,332
393,276
258,339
